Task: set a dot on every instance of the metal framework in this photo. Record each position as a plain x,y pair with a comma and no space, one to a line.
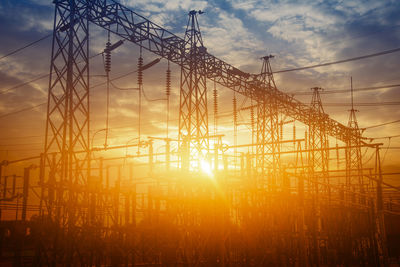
353,153
318,165
67,127
133,27
193,112
318,140
268,127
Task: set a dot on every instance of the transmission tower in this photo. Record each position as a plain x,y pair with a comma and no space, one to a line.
318,139
318,162
193,114
353,151
268,147
67,125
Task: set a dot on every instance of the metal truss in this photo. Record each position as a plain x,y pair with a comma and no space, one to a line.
132,27
193,113
353,151
318,166
318,140
268,128
67,127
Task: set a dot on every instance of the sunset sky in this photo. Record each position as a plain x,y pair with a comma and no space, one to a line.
238,32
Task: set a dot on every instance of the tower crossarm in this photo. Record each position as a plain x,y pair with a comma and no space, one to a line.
132,27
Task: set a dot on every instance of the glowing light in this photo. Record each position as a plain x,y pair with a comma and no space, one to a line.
206,167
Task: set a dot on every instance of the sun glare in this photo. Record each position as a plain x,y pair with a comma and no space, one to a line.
206,167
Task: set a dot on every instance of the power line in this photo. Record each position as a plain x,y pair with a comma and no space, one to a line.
341,61
97,85
348,90
365,104
21,137
26,46
23,144
25,83
37,78
114,79
21,110
124,89
382,124
149,99
22,150
384,137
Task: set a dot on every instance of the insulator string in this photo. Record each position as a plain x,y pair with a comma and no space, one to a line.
215,96
252,124
235,125
168,92
140,84
107,67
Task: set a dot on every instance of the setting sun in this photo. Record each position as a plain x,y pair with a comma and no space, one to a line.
206,167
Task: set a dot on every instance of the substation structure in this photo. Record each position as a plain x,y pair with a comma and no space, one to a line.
194,200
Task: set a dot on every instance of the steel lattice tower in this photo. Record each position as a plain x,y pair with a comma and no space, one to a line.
67,126
268,146
353,151
318,140
318,162
193,113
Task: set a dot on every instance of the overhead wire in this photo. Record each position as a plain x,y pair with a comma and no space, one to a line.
24,83
150,123
363,104
23,144
37,78
21,110
325,64
123,88
149,99
369,159
313,66
384,137
347,90
26,46
379,125
21,137
387,148
341,61
44,103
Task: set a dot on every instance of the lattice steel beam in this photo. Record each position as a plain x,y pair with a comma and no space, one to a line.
193,112
268,146
67,127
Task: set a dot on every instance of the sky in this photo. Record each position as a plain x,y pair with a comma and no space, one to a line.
297,33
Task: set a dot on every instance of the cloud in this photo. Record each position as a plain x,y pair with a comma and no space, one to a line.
27,17
236,45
